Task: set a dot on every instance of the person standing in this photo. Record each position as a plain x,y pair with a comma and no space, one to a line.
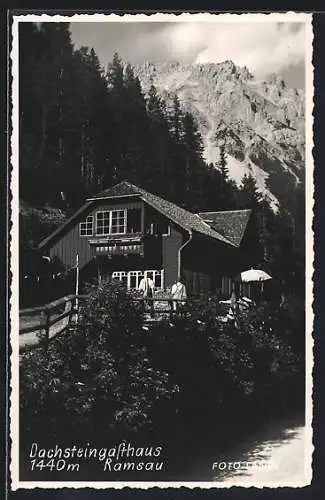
233,301
178,293
146,289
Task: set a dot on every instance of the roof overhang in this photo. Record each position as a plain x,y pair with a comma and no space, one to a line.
101,198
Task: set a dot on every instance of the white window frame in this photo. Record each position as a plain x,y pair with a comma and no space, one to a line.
84,225
97,215
110,221
139,274
138,277
119,275
153,273
168,231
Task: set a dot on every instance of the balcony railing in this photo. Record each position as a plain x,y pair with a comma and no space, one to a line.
116,238
124,244
129,249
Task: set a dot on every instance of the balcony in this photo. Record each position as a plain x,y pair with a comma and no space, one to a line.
126,244
117,239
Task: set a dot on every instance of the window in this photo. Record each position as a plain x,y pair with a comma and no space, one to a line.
132,278
134,220
121,276
118,222
158,278
111,222
86,227
164,227
226,286
158,227
102,223
166,230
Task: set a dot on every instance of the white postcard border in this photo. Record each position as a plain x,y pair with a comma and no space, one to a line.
14,238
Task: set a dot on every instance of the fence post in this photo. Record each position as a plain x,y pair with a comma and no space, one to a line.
171,312
77,285
76,308
47,328
152,308
73,311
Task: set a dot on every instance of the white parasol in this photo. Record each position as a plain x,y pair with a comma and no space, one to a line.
254,275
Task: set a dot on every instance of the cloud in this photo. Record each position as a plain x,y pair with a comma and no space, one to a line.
262,47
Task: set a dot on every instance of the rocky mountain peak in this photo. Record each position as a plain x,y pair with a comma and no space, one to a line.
222,71
260,122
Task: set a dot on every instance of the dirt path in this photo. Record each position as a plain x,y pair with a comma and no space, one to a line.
32,338
282,459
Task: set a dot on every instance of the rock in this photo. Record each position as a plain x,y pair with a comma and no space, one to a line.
259,122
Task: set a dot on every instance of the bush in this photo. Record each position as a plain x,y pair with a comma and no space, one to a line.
179,380
97,379
221,366
278,364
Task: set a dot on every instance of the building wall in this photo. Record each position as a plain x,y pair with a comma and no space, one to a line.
70,243
160,251
197,283
167,243
170,247
206,262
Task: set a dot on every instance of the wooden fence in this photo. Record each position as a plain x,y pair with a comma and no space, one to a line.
46,322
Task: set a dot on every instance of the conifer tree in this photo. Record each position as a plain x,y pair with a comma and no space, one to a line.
251,198
156,106
93,119
114,74
193,148
82,130
158,144
250,195
135,128
223,164
176,119
51,48
192,139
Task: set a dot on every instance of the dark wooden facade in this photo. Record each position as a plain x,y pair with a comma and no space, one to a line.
148,249
206,263
68,243
152,241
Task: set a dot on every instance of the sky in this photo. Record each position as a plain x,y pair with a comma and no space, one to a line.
265,48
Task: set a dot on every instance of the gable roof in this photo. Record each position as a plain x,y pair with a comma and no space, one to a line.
182,217
123,188
58,230
224,227
231,223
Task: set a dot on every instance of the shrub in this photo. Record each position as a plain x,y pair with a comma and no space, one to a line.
270,335
98,378
178,380
221,366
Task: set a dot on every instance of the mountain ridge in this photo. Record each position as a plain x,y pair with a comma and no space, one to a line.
260,123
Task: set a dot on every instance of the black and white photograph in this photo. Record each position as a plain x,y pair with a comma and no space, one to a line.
161,250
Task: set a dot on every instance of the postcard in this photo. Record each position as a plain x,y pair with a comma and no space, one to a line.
161,250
